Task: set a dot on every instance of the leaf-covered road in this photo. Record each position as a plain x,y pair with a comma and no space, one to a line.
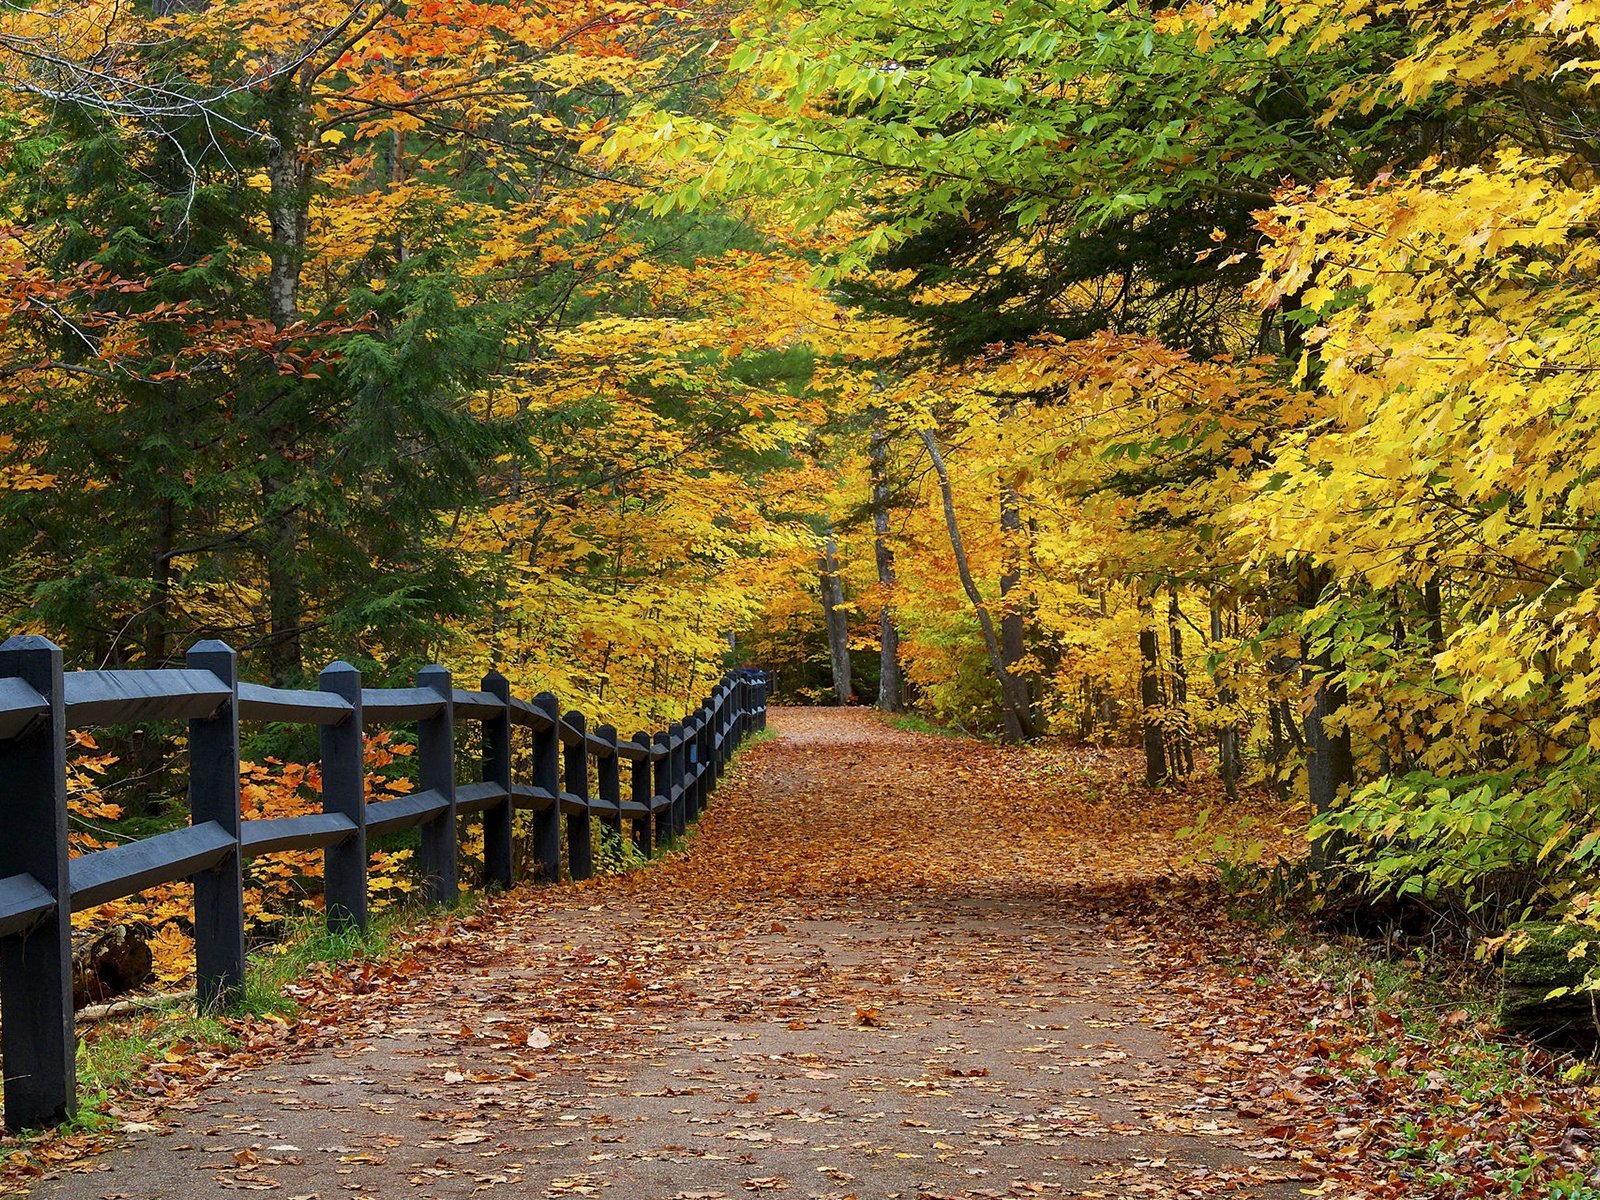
892,965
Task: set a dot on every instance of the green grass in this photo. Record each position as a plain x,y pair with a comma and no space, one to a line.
912,723
1443,1011
119,1050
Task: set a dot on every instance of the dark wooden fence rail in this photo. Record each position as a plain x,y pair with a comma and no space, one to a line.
672,774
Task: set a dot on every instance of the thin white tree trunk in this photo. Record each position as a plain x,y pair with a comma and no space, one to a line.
1011,703
837,620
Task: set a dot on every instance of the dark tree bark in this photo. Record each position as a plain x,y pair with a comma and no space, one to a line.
836,619
1330,764
288,215
1180,745
1155,749
1433,602
890,689
1228,732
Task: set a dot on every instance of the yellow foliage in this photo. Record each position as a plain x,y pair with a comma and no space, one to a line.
172,955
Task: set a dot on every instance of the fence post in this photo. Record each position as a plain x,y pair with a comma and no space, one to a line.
761,701
344,791
705,755
608,775
575,760
680,761
639,778
720,734
497,770
37,1037
690,810
214,796
697,756
436,771
547,777
724,735
664,824
686,770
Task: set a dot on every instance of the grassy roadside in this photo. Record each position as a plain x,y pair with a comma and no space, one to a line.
1396,1077
114,1052
912,723
116,1055
1470,1068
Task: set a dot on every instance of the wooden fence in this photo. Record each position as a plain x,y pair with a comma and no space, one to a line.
672,774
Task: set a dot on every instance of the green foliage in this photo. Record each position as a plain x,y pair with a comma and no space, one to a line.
615,853
913,723
1033,168
1494,846
211,448
1232,847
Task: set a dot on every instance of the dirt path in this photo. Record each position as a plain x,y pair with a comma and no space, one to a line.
890,966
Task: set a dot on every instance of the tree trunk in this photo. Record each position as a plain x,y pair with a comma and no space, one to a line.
1155,750
1433,603
1330,764
1180,743
1283,689
1228,729
890,689
837,620
397,176
288,209
1011,701
1013,625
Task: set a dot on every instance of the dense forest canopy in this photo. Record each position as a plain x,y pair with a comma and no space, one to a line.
1218,378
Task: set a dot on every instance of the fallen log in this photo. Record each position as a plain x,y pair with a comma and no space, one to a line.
1542,971
134,1004
110,962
